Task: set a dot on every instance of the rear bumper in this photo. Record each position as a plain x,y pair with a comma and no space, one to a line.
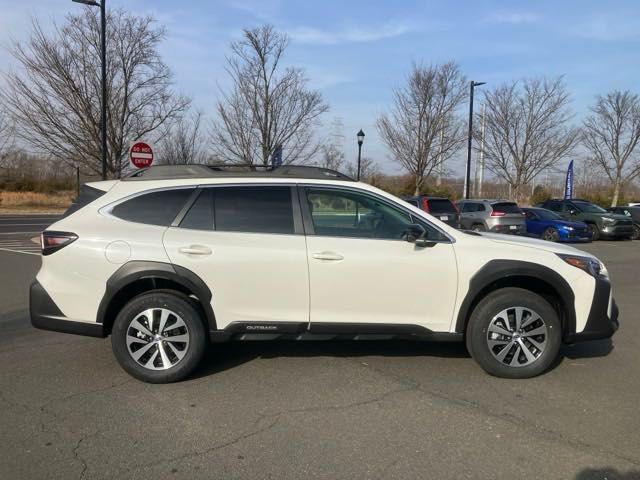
509,229
603,316
46,315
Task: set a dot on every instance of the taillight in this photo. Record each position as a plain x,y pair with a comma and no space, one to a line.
497,214
425,205
51,242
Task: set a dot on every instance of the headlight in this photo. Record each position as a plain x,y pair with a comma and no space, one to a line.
565,227
592,266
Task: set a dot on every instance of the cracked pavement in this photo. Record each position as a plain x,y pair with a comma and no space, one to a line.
326,410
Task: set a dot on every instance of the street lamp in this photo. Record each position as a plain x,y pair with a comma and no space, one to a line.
467,175
103,59
360,136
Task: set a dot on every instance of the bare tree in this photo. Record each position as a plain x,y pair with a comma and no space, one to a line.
268,105
182,142
422,130
611,135
6,137
55,97
526,130
332,152
368,170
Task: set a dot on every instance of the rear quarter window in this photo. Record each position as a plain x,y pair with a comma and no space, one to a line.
154,208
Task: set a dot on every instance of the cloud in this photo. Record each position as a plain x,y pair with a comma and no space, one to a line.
606,28
316,36
511,18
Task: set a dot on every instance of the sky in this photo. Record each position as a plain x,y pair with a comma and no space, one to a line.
355,53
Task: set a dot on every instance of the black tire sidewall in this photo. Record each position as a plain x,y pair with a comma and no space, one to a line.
181,305
494,303
595,231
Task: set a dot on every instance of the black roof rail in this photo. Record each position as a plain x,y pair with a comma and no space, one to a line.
168,172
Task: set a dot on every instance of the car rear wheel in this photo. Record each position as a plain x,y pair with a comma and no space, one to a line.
514,333
551,234
478,227
636,232
594,230
159,337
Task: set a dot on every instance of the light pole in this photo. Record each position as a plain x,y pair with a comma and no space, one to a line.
360,136
103,61
467,175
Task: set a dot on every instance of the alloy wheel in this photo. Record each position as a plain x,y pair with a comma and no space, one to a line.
157,339
517,336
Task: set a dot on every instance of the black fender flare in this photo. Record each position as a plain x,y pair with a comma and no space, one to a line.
139,269
496,270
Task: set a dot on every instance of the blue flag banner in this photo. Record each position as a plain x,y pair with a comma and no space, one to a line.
568,186
276,157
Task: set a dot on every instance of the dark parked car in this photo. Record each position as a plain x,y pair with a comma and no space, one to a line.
633,213
601,223
441,208
550,226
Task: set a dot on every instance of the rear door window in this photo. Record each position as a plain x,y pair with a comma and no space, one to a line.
254,209
200,215
154,208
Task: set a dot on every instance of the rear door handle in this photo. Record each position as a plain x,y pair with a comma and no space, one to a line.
196,250
327,256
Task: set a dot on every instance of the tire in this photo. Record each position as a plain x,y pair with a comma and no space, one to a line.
478,227
164,360
636,232
551,234
488,319
594,230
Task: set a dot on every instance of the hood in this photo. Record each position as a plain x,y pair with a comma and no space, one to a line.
567,223
535,243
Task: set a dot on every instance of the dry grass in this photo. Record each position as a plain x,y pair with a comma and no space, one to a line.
35,202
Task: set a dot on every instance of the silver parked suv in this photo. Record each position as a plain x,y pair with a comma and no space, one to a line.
497,216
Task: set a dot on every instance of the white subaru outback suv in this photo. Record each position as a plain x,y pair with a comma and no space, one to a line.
173,257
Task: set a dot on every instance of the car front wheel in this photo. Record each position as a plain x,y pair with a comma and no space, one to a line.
551,234
159,337
636,233
514,333
594,230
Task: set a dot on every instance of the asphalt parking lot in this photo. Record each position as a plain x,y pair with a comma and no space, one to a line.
315,410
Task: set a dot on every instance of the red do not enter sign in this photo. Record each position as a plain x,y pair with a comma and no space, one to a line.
141,155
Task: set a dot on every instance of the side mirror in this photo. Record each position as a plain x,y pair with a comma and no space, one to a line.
416,234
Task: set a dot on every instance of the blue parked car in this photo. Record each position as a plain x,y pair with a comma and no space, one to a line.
550,226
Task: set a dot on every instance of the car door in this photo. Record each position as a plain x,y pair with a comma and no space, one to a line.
247,244
467,211
362,271
534,225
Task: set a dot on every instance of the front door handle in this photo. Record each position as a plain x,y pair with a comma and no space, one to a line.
196,250
327,256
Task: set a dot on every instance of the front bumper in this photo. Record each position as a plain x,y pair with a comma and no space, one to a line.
46,315
616,231
603,316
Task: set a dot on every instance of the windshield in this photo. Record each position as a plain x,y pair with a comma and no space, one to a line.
506,207
589,207
441,206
